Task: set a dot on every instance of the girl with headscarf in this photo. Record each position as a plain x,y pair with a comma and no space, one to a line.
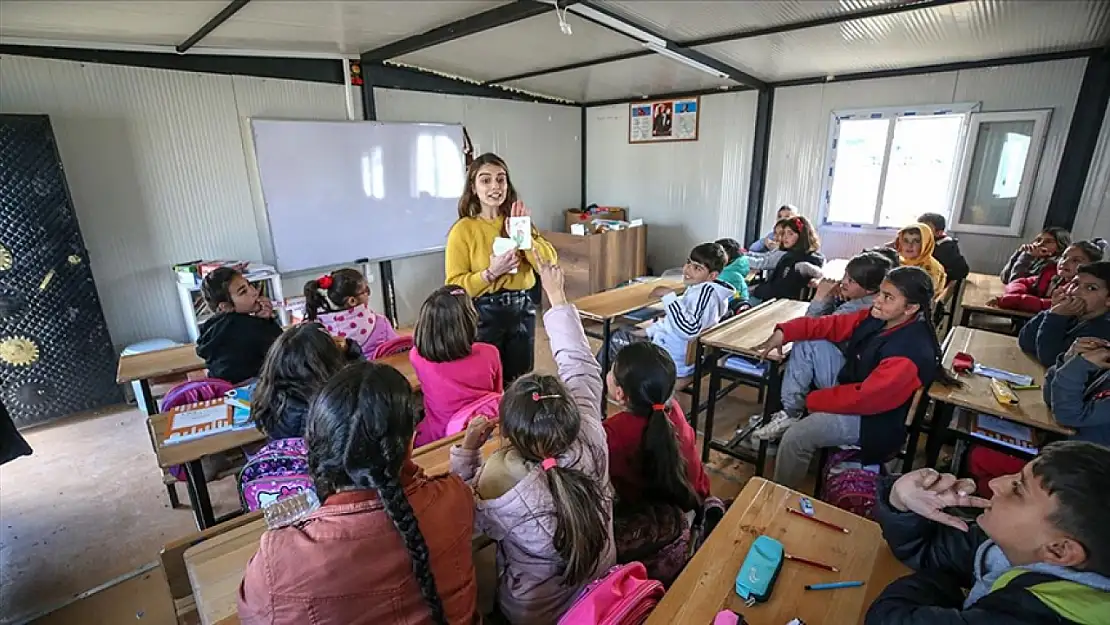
915,246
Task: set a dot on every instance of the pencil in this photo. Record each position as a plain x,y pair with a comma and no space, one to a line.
833,585
819,565
817,520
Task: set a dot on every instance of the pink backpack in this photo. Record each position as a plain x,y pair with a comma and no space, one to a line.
392,346
623,596
849,485
488,404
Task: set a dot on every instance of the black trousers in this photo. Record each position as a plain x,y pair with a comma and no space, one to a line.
507,320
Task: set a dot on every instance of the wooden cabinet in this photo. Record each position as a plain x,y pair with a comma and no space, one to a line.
596,262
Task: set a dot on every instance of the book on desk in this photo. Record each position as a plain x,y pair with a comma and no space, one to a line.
1007,433
206,418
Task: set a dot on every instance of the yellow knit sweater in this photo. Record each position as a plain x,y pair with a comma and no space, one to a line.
469,246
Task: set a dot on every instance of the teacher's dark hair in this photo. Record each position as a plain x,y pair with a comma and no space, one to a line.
469,206
359,430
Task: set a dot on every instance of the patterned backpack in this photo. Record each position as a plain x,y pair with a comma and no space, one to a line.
849,484
279,470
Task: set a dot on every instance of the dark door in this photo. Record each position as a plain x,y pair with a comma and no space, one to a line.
56,357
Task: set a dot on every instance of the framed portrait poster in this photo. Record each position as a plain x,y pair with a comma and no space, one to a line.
664,120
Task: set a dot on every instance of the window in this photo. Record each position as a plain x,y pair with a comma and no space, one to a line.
440,171
886,167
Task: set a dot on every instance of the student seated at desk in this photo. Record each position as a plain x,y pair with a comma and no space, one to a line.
1039,255
389,544
1077,390
545,497
1034,294
234,341
298,365
770,241
1081,309
653,462
866,389
1038,554
704,303
456,372
856,291
737,267
792,265
947,248
341,302
915,246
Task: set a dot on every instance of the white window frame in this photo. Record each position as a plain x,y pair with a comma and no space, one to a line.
1040,119
892,114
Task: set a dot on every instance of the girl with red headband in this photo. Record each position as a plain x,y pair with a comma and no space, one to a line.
792,265
341,302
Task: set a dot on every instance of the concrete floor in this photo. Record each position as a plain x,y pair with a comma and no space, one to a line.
90,506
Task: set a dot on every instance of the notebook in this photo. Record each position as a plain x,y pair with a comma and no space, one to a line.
199,420
1006,433
240,401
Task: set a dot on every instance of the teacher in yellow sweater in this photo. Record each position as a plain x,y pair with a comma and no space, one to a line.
498,284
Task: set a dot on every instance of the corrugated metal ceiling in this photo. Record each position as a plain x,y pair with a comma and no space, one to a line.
957,31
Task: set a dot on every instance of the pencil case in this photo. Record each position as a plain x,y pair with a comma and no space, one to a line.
761,568
1003,394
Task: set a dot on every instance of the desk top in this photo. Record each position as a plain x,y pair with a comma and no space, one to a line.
171,361
623,300
180,453
980,288
216,565
750,328
707,585
996,350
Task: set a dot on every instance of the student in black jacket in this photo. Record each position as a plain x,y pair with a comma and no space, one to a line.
947,248
1080,309
1038,555
234,341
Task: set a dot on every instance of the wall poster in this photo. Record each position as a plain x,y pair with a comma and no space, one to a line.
663,120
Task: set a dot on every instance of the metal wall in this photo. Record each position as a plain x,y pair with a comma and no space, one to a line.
1093,218
158,163
800,125
687,192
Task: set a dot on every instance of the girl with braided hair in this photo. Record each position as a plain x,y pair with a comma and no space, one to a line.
389,544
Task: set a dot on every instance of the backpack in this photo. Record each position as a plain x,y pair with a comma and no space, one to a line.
279,470
394,345
623,596
192,392
849,484
488,404
657,535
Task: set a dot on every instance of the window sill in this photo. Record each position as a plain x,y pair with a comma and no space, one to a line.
860,229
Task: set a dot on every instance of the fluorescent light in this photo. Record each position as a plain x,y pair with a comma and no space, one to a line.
671,54
615,24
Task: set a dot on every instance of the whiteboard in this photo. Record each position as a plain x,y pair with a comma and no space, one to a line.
342,191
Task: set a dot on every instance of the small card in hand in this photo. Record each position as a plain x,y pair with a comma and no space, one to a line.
520,230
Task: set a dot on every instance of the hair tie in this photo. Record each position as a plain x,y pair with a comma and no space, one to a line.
799,224
325,282
538,397
659,407
548,464
456,292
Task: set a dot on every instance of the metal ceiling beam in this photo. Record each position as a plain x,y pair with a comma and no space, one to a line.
734,73
889,9
211,25
486,20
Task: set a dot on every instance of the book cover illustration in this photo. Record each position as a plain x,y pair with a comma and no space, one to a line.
520,231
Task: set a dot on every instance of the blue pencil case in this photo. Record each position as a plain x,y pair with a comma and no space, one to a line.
761,568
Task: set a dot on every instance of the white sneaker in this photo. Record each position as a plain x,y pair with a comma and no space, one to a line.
774,428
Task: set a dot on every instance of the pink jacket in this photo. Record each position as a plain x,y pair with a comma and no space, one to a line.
450,386
531,588
361,325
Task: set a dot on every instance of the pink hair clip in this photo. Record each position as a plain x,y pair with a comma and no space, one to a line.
538,397
548,464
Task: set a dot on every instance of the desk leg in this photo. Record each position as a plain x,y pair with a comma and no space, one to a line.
942,416
606,336
710,406
915,433
695,385
965,318
146,402
761,458
198,495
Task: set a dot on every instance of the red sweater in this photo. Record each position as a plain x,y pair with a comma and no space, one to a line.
889,385
1030,294
625,433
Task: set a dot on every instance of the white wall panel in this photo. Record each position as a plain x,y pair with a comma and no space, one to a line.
687,192
1093,218
800,124
541,143
160,167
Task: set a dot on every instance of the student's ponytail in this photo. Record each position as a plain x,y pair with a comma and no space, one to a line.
580,533
359,429
917,287
664,467
315,299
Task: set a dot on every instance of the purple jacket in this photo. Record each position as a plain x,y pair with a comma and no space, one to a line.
531,588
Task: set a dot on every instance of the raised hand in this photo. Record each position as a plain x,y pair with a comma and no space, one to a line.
553,281
927,492
519,210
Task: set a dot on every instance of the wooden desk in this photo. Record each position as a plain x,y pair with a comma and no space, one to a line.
216,565
189,453
708,583
142,368
606,306
991,350
980,288
740,336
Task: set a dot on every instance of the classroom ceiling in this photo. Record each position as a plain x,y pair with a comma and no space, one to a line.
742,42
